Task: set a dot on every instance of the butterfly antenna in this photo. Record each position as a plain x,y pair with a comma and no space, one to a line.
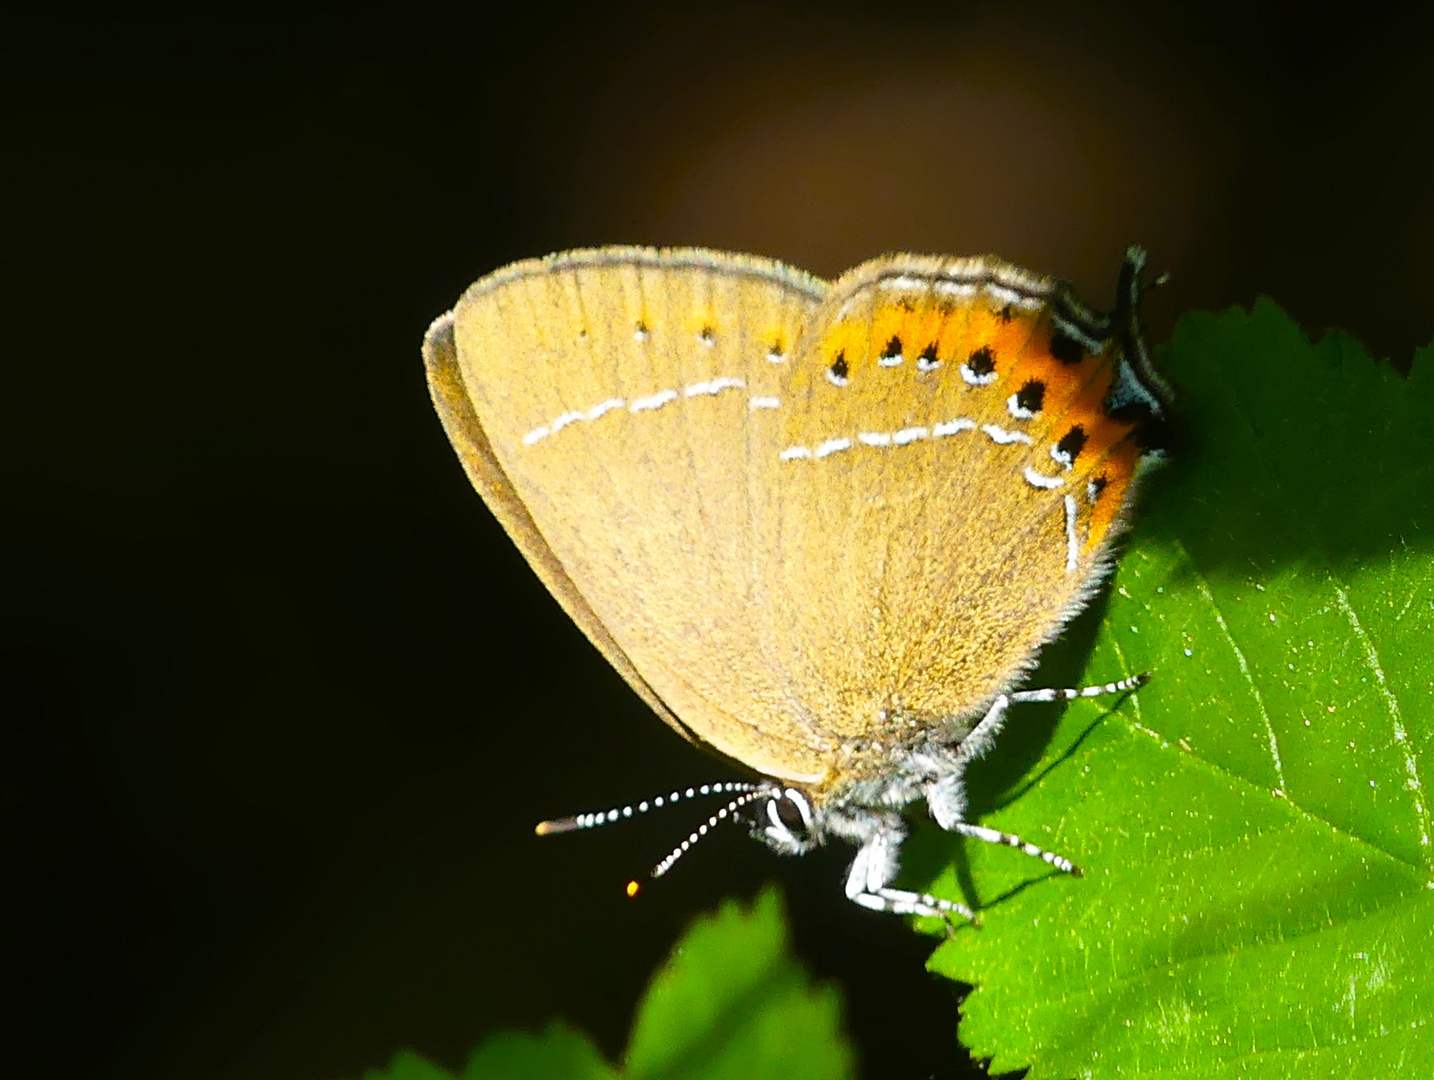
728,812
606,817
1131,288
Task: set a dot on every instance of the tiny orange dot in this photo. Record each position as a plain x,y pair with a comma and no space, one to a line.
632,888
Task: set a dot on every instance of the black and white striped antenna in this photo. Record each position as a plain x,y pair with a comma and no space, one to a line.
744,793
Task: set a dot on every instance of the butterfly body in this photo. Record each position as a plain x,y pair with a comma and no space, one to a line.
821,528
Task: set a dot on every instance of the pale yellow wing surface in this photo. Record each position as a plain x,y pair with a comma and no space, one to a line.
807,523
624,406
460,422
931,529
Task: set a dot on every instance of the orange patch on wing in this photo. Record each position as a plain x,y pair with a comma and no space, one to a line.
1068,387
891,321
950,330
1006,337
1118,470
916,325
845,339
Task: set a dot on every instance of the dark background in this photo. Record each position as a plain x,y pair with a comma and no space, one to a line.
280,702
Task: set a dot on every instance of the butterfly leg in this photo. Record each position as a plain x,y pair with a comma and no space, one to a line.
946,799
991,836
875,866
983,735
945,792
1118,687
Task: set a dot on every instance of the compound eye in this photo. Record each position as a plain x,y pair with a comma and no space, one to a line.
790,813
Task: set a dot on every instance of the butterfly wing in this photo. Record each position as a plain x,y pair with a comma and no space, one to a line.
465,432
953,476
616,408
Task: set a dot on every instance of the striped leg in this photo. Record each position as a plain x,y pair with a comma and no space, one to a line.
904,902
946,797
1120,687
984,733
991,836
875,865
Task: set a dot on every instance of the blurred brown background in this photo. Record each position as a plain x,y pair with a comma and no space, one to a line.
280,702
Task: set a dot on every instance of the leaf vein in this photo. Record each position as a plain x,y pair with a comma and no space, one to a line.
1396,717
1205,592
1235,950
1321,1049
1166,743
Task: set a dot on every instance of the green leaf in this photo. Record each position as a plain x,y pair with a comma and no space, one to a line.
559,1051
1255,824
406,1065
730,1004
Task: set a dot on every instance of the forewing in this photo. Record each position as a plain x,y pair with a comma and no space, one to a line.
460,423
631,397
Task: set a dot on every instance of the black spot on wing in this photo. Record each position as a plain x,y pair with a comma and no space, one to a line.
1031,396
1066,349
1072,442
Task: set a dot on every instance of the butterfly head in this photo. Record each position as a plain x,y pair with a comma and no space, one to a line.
788,822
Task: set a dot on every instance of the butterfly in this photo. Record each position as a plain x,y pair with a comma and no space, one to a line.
821,528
